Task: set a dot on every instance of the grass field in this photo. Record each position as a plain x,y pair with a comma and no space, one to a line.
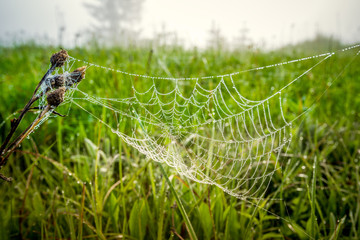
75,179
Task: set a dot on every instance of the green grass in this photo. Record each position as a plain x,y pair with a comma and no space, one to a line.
75,179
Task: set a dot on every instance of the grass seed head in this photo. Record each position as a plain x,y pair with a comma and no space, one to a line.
58,59
56,97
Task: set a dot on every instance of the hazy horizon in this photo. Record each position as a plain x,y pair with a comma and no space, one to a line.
261,23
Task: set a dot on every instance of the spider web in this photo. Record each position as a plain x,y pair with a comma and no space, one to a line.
211,135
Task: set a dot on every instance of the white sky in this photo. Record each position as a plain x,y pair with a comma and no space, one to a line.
273,22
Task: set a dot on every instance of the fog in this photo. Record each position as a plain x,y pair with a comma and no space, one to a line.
188,22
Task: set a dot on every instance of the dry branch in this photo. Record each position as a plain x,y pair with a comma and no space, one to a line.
55,88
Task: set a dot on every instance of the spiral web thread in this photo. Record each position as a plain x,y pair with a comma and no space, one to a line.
213,136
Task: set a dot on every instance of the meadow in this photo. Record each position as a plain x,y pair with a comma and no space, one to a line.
75,179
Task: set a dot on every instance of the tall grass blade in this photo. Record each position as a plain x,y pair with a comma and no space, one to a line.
180,205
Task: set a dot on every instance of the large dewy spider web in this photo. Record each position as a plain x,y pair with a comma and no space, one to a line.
214,136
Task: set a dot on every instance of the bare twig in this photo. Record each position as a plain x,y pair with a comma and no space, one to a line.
15,123
59,114
7,179
8,151
53,112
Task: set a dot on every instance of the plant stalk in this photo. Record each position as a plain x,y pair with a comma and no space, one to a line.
15,122
18,140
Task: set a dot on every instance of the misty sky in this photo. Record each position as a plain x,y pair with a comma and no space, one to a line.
270,22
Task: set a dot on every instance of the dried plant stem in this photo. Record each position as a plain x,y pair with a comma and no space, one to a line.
56,86
7,179
16,121
8,151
